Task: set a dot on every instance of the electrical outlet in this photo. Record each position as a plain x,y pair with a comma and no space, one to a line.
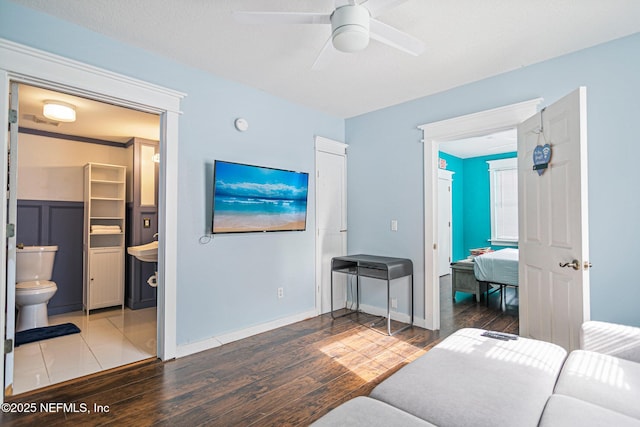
394,225
394,303
280,292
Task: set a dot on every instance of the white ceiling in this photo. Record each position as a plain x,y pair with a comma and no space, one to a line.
466,40
485,145
94,119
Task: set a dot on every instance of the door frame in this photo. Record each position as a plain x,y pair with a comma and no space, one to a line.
483,122
340,149
23,64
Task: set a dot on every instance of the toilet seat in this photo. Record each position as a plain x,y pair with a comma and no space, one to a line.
36,285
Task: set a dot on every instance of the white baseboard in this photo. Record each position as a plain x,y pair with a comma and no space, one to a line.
400,317
418,321
213,342
196,347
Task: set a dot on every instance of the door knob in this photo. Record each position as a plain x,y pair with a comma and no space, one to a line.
575,264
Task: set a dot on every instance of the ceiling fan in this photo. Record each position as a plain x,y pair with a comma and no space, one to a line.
352,25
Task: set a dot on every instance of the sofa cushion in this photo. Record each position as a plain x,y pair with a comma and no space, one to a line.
469,379
567,411
603,380
610,338
366,412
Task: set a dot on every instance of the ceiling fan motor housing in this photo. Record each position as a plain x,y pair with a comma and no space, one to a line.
350,28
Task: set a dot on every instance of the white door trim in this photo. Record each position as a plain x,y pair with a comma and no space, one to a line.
333,147
32,66
483,122
330,146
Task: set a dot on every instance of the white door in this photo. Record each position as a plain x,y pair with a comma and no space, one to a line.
444,222
553,230
331,220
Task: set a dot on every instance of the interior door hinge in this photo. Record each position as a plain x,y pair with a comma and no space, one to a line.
11,230
8,346
13,116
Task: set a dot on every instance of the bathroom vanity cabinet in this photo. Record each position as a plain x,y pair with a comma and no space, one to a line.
104,231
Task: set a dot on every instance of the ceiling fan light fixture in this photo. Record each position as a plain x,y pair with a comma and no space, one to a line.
59,111
350,28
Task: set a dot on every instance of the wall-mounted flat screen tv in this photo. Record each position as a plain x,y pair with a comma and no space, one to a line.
250,198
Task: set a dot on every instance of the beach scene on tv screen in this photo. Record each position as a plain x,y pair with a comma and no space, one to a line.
252,198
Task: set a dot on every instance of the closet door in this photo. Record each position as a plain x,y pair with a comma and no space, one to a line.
445,250
331,220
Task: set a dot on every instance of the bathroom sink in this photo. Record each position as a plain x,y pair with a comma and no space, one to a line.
147,253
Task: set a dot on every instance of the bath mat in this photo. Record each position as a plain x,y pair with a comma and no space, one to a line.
46,332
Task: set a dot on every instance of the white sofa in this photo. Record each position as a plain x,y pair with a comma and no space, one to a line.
472,380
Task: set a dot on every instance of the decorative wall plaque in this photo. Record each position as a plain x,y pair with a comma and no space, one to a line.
541,158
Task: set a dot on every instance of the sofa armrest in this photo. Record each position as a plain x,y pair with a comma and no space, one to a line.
612,339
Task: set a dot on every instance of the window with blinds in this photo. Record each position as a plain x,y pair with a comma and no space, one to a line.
503,182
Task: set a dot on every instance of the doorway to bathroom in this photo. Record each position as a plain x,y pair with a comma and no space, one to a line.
20,63
52,205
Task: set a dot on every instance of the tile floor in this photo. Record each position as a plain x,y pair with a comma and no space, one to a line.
108,338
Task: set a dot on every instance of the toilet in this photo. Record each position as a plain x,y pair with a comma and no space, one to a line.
34,288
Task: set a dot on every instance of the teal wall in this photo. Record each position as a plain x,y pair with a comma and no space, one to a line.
471,202
477,202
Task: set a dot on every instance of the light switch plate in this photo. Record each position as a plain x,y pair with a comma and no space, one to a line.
394,225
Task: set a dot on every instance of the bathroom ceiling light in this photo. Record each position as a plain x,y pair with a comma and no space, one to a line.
59,111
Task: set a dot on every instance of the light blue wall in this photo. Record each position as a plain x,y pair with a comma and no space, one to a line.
477,202
386,156
230,283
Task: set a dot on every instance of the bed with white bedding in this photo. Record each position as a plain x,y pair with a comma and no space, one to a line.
498,269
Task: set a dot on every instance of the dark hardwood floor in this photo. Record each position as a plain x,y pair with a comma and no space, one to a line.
286,377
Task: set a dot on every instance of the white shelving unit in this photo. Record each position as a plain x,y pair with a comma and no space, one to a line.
104,228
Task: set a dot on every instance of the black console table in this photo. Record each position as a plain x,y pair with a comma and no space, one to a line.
376,267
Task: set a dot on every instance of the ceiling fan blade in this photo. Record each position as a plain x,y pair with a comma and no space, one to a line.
282,18
325,56
378,7
393,37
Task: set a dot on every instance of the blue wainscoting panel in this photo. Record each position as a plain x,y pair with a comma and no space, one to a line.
138,294
30,223
44,222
